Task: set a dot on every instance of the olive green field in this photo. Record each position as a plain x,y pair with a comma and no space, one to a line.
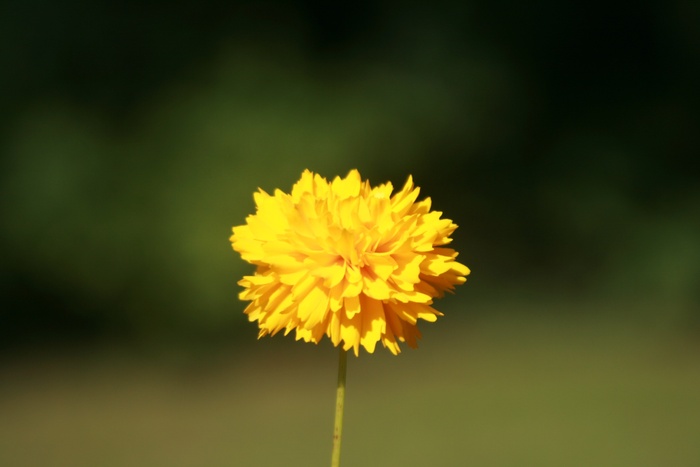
482,392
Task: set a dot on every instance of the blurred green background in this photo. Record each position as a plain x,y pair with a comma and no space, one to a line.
562,137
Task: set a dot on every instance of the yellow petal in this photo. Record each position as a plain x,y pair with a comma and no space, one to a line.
352,306
313,306
373,322
381,264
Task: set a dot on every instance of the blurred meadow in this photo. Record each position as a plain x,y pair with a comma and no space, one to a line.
561,137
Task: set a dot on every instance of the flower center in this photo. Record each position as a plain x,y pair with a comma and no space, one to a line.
352,249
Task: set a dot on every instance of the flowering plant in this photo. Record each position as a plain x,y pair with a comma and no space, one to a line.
348,261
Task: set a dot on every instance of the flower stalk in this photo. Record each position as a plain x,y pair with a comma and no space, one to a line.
339,406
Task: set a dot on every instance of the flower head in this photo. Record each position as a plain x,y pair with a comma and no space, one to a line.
346,260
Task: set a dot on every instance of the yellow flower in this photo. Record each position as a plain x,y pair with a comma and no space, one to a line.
346,260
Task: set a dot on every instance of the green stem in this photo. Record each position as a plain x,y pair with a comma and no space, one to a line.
339,404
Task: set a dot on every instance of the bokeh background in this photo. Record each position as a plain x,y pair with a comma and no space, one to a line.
562,137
